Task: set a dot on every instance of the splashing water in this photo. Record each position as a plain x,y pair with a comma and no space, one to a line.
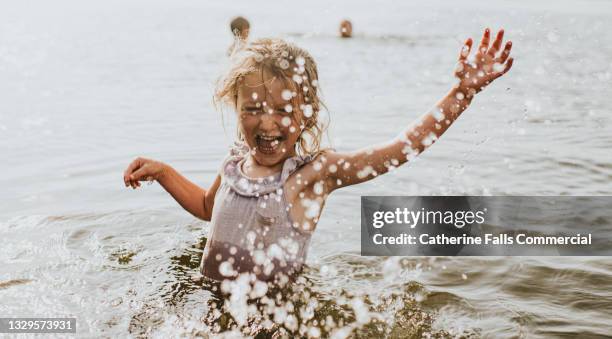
286,94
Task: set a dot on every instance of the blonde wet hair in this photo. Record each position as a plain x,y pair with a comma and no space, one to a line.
296,68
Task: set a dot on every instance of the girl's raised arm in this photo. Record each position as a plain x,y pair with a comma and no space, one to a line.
344,169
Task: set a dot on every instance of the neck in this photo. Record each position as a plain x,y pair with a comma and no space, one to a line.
255,170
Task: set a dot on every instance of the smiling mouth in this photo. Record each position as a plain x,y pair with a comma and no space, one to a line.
268,144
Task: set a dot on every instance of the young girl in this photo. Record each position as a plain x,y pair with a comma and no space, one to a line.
267,198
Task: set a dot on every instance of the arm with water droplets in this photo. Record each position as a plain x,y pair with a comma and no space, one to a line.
344,169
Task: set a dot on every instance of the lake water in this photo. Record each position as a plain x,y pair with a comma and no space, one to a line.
87,87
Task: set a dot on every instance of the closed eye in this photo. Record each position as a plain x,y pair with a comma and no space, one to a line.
259,110
282,111
252,109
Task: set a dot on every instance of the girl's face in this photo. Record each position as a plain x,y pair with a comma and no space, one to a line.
268,121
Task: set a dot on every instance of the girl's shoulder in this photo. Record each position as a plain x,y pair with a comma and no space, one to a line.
310,168
237,152
238,149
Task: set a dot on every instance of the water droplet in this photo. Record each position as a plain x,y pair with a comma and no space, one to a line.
291,322
429,139
259,289
284,64
251,237
312,208
437,114
226,270
286,94
314,332
318,188
459,68
365,172
286,121
497,67
308,111
362,314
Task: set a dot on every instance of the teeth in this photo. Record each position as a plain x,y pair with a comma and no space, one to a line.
269,138
268,144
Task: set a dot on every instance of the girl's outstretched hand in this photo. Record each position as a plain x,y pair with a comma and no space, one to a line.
142,169
489,63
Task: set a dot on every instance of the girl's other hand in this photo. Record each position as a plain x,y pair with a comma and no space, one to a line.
142,169
488,64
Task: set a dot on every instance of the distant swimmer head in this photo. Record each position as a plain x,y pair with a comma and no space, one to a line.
273,87
240,27
346,28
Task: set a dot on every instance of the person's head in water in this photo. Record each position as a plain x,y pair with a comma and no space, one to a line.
240,27
273,86
346,28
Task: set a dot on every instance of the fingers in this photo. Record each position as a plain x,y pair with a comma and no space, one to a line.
503,68
465,50
131,167
129,172
505,53
508,66
484,43
126,182
496,44
140,174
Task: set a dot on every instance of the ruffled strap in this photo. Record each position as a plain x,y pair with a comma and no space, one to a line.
292,164
239,149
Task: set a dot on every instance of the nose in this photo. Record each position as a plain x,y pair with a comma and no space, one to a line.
268,122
